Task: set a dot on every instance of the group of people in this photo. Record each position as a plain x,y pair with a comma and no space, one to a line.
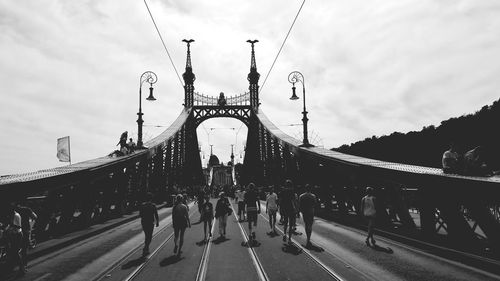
125,147
470,163
15,235
286,202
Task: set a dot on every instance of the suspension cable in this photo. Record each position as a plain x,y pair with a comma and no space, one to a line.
164,45
283,44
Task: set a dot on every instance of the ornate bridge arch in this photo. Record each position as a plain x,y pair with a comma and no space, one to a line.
115,184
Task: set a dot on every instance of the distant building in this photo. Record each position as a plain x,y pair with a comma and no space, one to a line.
221,174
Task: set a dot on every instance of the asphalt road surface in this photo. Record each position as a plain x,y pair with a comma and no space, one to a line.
338,253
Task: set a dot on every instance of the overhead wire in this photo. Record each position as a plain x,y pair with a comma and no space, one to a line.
282,44
164,45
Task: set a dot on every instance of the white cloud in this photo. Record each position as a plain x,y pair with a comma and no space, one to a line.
371,68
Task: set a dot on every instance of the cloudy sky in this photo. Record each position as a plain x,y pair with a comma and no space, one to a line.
72,68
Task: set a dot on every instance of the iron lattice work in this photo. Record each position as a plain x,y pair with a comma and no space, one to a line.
205,100
202,113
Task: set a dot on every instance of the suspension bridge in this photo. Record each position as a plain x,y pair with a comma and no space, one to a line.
433,226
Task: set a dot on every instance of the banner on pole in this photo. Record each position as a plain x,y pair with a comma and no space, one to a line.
63,150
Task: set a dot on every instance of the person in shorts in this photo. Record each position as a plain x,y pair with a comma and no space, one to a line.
272,209
240,198
307,202
252,207
288,209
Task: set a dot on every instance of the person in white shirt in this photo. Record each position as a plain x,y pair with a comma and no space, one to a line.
369,211
272,209
240,198
15,239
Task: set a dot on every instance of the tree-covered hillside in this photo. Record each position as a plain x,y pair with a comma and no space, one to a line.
426,147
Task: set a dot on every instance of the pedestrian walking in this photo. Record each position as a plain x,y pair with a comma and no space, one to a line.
222,211
253,209
26,214
369,211
200,200
14,241
307,202
240,199
272,209
180,221
207,216
288,209
149,215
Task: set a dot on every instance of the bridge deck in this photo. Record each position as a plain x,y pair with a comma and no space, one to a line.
339,251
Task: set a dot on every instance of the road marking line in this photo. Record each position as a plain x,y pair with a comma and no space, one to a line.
43,277
256,262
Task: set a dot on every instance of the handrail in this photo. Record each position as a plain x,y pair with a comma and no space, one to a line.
101,162
391,169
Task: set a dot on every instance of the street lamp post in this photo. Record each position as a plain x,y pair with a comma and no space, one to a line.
151,78
293,78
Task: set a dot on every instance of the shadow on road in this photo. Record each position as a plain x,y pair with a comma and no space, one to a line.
134,263
382,249
201,243
171,260
220,239
314,248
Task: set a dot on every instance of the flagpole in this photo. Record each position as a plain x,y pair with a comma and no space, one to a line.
69,150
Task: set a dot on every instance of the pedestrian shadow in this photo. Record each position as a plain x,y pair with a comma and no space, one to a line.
382,249
201,243
220,239
291,249
314,248
272,234
170,260
248,244
198,222
134,263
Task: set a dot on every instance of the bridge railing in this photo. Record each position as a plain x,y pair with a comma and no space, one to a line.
78,195
203,100
462,208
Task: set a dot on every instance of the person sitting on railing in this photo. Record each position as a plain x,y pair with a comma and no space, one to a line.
452,160
474,164
131,145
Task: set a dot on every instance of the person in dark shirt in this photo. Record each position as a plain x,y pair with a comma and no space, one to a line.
207,216
180,221
26,215
288,209
307,202
200,200
149,215
253,208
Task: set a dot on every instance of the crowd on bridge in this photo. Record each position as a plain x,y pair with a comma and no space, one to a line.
288,201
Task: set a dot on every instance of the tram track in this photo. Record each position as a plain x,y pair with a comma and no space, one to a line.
106,272
203,266
255,259
130,253
312,257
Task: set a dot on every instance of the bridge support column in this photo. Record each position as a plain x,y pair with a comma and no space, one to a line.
485,219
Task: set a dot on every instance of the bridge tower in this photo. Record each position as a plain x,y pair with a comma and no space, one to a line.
188,77
253,78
